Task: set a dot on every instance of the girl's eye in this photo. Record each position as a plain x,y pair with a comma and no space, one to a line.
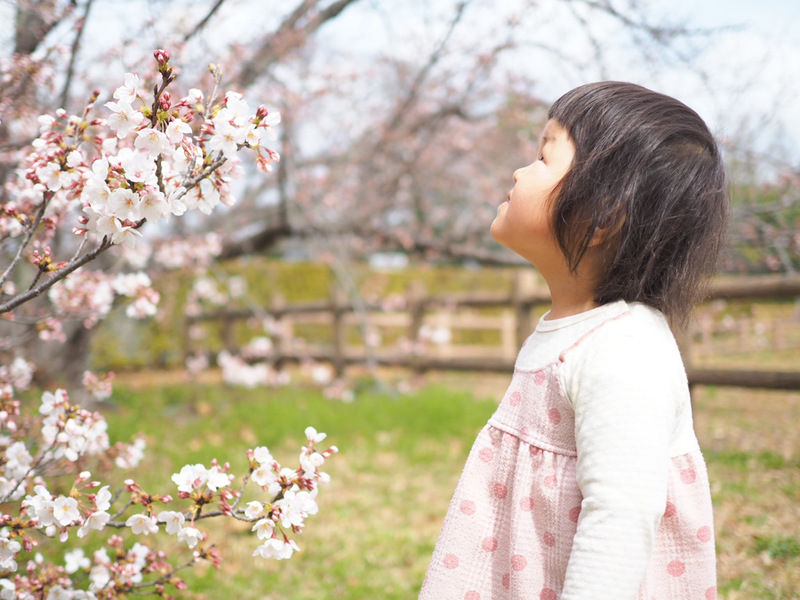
541,157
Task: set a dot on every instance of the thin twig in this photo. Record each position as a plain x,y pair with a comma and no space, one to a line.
75,47
165,576
47,196
204,21
56,277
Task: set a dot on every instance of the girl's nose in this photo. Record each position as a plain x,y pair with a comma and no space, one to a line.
517,173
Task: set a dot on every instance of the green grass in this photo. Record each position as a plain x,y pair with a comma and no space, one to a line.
752,450
779,546
399,461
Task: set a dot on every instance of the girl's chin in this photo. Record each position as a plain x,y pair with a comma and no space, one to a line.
496,231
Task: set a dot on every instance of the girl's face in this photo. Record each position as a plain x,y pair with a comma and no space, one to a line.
524,222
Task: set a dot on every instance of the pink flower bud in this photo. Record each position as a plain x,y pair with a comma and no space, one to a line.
161,56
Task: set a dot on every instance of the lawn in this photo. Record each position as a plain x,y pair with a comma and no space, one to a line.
399,462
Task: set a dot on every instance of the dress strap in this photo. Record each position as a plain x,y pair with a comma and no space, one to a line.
586,335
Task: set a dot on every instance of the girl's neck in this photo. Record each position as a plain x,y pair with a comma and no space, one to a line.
570,294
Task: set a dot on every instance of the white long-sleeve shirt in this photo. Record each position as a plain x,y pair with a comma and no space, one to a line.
627,385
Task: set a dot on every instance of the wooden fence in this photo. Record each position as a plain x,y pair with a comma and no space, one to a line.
423,333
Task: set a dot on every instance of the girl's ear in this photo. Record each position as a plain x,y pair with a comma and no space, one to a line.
608,228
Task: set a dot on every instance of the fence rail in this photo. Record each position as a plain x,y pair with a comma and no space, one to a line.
415,322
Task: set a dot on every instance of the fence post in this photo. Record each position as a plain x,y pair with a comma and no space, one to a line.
685,340
279,329
415,299
339,306
228,337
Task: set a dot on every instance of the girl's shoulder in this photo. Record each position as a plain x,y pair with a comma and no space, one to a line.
632,350
630,327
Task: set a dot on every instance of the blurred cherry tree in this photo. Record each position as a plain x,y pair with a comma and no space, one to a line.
402,122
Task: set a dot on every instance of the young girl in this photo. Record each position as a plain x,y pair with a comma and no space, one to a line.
587,483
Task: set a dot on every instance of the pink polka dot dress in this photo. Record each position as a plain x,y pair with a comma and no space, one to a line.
569,495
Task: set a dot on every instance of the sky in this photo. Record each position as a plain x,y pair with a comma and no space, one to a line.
753,62
758,60
756,63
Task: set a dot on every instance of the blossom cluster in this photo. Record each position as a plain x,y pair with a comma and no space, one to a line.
139,162
104,174
68,438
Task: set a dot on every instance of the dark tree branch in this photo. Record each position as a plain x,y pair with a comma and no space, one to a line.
80,28
56,277
290,35
204,21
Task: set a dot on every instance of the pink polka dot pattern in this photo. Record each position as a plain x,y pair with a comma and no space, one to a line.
676,568
518,562
451,561
506,581
705,534
500,491
468,507
489,544
514,514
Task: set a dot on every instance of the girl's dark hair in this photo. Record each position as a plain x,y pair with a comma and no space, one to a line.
648,175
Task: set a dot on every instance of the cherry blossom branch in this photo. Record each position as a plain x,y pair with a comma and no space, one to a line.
21,299
165,577
28,236
192,181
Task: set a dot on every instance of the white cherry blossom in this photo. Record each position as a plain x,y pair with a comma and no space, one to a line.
217,478
153,206
124,204
129,91
174,521
153,142
263,456
190,536
253,509
76,560
264,528
191,477
275,548
142,524
65,511
124,118
95,521
176,130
